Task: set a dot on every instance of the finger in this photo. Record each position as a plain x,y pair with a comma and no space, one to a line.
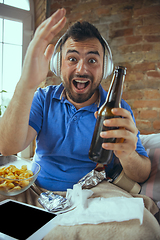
56,29
56,22
120,147
124,123
49,51
44,30
122,112
118,134
52,20
114,146
121,136
42,42
96,114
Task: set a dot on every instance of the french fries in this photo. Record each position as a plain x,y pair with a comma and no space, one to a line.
14,178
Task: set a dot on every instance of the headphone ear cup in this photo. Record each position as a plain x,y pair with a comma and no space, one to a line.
55,64
108,67
105,68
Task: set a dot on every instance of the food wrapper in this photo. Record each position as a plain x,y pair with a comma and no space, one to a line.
93,178
53,202
58,204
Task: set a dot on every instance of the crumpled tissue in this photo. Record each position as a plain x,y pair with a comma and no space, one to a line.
99,210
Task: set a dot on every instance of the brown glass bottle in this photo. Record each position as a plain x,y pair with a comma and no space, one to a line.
113,100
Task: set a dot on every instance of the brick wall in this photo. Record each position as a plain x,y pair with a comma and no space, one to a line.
39,11
132,29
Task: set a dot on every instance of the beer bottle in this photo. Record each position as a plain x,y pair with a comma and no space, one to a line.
113,100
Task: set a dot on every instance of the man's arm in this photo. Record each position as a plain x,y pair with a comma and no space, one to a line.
15,133
135,166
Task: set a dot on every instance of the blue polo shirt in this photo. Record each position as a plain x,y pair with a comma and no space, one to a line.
64,136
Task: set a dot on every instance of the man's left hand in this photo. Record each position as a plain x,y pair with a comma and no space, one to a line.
126,134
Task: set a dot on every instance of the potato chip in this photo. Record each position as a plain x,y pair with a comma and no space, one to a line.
14,177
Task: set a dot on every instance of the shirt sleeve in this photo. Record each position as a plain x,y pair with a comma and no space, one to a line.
36,112
140,149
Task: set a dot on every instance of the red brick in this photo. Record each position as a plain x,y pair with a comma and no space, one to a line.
130,76
110,2
145,66
158,66
147,47
152,38
148,114
154,74
74,17
133,39
133,94
136,48
85,6
136,22
152,83
126,14
102,11
152,56
133,57
149,3
146,104
143,124
122,32
134,76
145,30
117,25
134,85
151,20
139,76
55,6
147,11
152,94
117,42
156,124
130,48
146,131
156,46
69,3
136,114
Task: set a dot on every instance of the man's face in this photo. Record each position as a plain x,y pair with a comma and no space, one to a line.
81,69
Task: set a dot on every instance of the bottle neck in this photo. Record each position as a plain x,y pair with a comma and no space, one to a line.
116,88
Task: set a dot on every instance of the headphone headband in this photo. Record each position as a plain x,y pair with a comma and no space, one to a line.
55,63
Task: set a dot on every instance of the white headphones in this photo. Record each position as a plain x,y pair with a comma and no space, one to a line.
55,63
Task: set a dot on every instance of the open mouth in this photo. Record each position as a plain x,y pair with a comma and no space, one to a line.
81,84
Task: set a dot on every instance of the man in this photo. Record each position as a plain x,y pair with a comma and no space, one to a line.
62,116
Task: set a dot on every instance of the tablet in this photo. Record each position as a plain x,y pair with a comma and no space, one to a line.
23,221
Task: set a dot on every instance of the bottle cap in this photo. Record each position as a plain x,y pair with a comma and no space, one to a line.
121,69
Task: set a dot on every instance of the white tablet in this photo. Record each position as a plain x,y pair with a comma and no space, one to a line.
23,221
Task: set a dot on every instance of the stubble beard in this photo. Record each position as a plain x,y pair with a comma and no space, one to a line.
79,98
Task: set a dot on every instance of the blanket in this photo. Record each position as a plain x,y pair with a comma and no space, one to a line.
128,230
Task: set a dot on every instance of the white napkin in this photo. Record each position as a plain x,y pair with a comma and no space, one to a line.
98,210
77,196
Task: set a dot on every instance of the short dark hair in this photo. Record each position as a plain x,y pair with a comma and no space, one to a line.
81,31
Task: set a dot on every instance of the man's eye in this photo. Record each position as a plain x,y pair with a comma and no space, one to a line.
72,59
92,60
